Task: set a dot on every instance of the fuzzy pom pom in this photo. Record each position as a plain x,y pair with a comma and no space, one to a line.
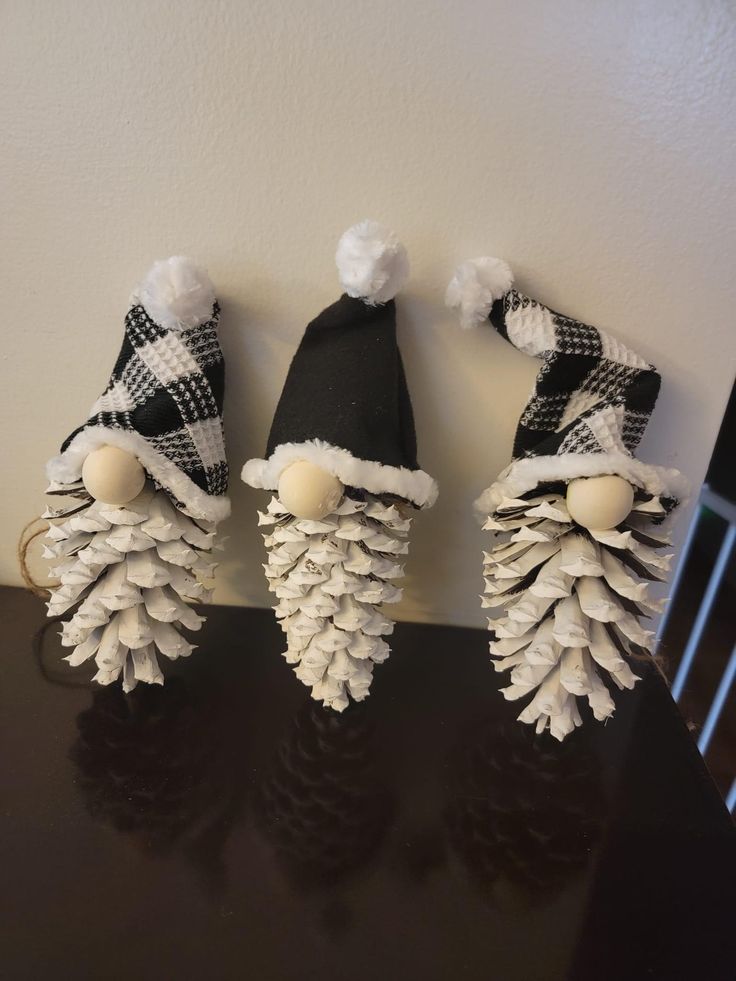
372,263
476,284
176,293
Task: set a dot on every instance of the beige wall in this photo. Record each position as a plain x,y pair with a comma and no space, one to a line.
589,143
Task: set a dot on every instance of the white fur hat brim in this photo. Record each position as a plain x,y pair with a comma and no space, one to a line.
369,475
524,475
67,469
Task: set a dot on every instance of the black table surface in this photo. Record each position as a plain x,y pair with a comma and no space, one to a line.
225,826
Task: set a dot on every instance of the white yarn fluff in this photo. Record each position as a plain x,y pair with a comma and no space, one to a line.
474,287
369,475
371,262
176,293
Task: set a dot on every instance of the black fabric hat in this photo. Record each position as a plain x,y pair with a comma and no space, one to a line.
163,403
345,405
592,399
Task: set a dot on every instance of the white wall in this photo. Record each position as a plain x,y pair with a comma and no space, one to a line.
589,143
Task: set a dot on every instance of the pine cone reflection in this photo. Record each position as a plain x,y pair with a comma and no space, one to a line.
154,765
523,809
322,805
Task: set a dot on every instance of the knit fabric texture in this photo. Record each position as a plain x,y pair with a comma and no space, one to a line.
592,394
164,403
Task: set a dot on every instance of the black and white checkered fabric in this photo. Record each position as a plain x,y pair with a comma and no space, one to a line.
167,388
592,393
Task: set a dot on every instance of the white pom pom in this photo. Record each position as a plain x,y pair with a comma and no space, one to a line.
477,283
176,293
372,262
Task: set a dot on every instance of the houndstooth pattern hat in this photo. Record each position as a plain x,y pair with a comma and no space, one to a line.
164,400
591,401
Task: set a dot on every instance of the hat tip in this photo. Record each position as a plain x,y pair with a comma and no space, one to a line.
475,286
177,293
372,263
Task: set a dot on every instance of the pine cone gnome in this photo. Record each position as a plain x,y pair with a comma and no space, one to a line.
148,476
577,516
342,458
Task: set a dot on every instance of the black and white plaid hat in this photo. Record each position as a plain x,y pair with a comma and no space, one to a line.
345,405
591,401
163,402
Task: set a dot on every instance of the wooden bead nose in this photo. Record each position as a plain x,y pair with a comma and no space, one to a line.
308,491
112,475
599,503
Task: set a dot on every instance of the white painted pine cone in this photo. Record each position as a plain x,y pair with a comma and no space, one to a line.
129,573
569,605
330,576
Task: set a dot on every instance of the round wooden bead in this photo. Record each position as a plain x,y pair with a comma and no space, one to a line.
308,491
599,503
113,476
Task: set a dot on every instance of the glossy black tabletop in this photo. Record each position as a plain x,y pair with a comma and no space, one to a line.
224,826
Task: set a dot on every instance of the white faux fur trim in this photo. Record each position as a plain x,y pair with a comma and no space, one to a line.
371,262
524,475
413,485
475,286
176,293
67,468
